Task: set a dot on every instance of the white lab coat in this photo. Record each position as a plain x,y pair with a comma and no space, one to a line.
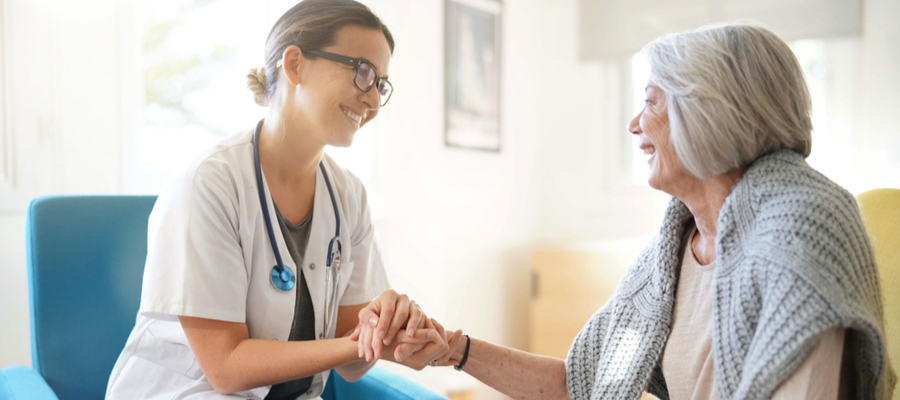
209,256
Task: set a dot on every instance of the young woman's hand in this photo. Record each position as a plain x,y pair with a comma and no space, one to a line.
386,315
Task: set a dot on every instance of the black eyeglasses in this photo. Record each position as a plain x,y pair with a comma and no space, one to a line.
365,77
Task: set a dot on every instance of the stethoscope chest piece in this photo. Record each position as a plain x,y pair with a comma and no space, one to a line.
283,280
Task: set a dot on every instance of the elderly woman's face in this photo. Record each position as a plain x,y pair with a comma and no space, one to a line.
652,126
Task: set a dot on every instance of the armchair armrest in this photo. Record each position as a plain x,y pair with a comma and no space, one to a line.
377,384
24,383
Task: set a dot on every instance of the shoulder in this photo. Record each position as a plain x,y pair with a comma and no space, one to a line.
786,216
224,164
783,182
346,185
218,174
344,179
785,204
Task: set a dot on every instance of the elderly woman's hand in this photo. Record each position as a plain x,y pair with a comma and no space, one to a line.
415,353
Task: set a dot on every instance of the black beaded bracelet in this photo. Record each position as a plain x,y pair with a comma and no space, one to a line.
462,363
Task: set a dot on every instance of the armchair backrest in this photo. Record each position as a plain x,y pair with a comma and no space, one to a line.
880,210
85,265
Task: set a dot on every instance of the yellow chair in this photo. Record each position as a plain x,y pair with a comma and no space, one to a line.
881,215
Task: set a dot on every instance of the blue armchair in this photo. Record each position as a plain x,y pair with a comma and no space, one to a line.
85,265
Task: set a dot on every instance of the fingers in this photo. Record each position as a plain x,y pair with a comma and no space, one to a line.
368,351
376,344
408,345
388,304
401,314
434,349
452,342
416,318
355,335
361,339
368,316
421,336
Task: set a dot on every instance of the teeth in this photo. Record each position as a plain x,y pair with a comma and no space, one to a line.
649,150
356,117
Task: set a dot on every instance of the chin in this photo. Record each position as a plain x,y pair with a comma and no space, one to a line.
344,140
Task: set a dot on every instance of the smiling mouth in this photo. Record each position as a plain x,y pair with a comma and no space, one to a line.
352,115
649,150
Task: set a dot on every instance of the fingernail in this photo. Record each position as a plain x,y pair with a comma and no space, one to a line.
373,321
387,342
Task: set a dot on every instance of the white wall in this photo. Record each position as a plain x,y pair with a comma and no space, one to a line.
457,224
877,139
61,69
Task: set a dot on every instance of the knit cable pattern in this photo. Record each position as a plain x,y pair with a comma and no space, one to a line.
793,260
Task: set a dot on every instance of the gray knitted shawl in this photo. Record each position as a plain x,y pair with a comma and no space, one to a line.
793,260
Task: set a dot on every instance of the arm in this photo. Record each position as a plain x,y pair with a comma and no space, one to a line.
233,362
819,376
514,373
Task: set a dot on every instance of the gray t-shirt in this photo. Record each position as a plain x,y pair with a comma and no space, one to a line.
296,237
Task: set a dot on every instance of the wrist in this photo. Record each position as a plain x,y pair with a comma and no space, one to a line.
460,349
349,350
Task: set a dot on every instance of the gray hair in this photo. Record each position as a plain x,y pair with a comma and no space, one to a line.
733,92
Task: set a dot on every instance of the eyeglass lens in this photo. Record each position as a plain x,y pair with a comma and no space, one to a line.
365,79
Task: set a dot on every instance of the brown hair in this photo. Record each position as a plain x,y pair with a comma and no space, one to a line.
310,25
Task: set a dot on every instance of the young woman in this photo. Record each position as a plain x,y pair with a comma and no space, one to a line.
262,253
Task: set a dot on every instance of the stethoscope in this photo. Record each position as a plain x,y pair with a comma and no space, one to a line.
282,276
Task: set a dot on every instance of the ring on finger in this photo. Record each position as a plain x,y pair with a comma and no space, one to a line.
435,362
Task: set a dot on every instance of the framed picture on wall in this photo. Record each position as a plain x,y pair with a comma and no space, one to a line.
472,74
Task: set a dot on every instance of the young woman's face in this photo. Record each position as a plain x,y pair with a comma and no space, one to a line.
652,126
334,106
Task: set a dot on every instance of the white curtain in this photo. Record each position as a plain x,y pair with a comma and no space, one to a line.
615,29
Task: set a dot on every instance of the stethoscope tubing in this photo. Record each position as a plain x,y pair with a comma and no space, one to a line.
282,276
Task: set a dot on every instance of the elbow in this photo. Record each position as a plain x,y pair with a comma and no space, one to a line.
224,383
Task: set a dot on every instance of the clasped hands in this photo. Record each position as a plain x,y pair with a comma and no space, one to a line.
394,328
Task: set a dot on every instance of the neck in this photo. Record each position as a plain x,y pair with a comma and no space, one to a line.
288,153
705,198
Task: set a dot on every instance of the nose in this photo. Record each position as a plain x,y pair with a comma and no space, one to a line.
634,126
371,99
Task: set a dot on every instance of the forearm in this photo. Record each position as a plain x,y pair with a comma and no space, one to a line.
256,362
515,373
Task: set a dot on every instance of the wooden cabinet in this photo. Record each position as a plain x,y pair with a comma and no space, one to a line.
569,286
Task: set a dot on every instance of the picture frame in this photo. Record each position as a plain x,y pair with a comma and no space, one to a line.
472,77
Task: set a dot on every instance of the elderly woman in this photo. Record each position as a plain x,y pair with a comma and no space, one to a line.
760,283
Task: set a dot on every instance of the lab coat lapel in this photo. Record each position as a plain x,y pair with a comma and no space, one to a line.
323,227
280,312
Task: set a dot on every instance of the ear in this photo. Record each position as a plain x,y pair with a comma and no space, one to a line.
293,63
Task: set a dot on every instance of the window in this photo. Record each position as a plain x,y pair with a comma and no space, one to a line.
196,54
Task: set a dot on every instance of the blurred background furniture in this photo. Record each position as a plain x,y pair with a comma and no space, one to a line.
881,215
85,265
569,285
